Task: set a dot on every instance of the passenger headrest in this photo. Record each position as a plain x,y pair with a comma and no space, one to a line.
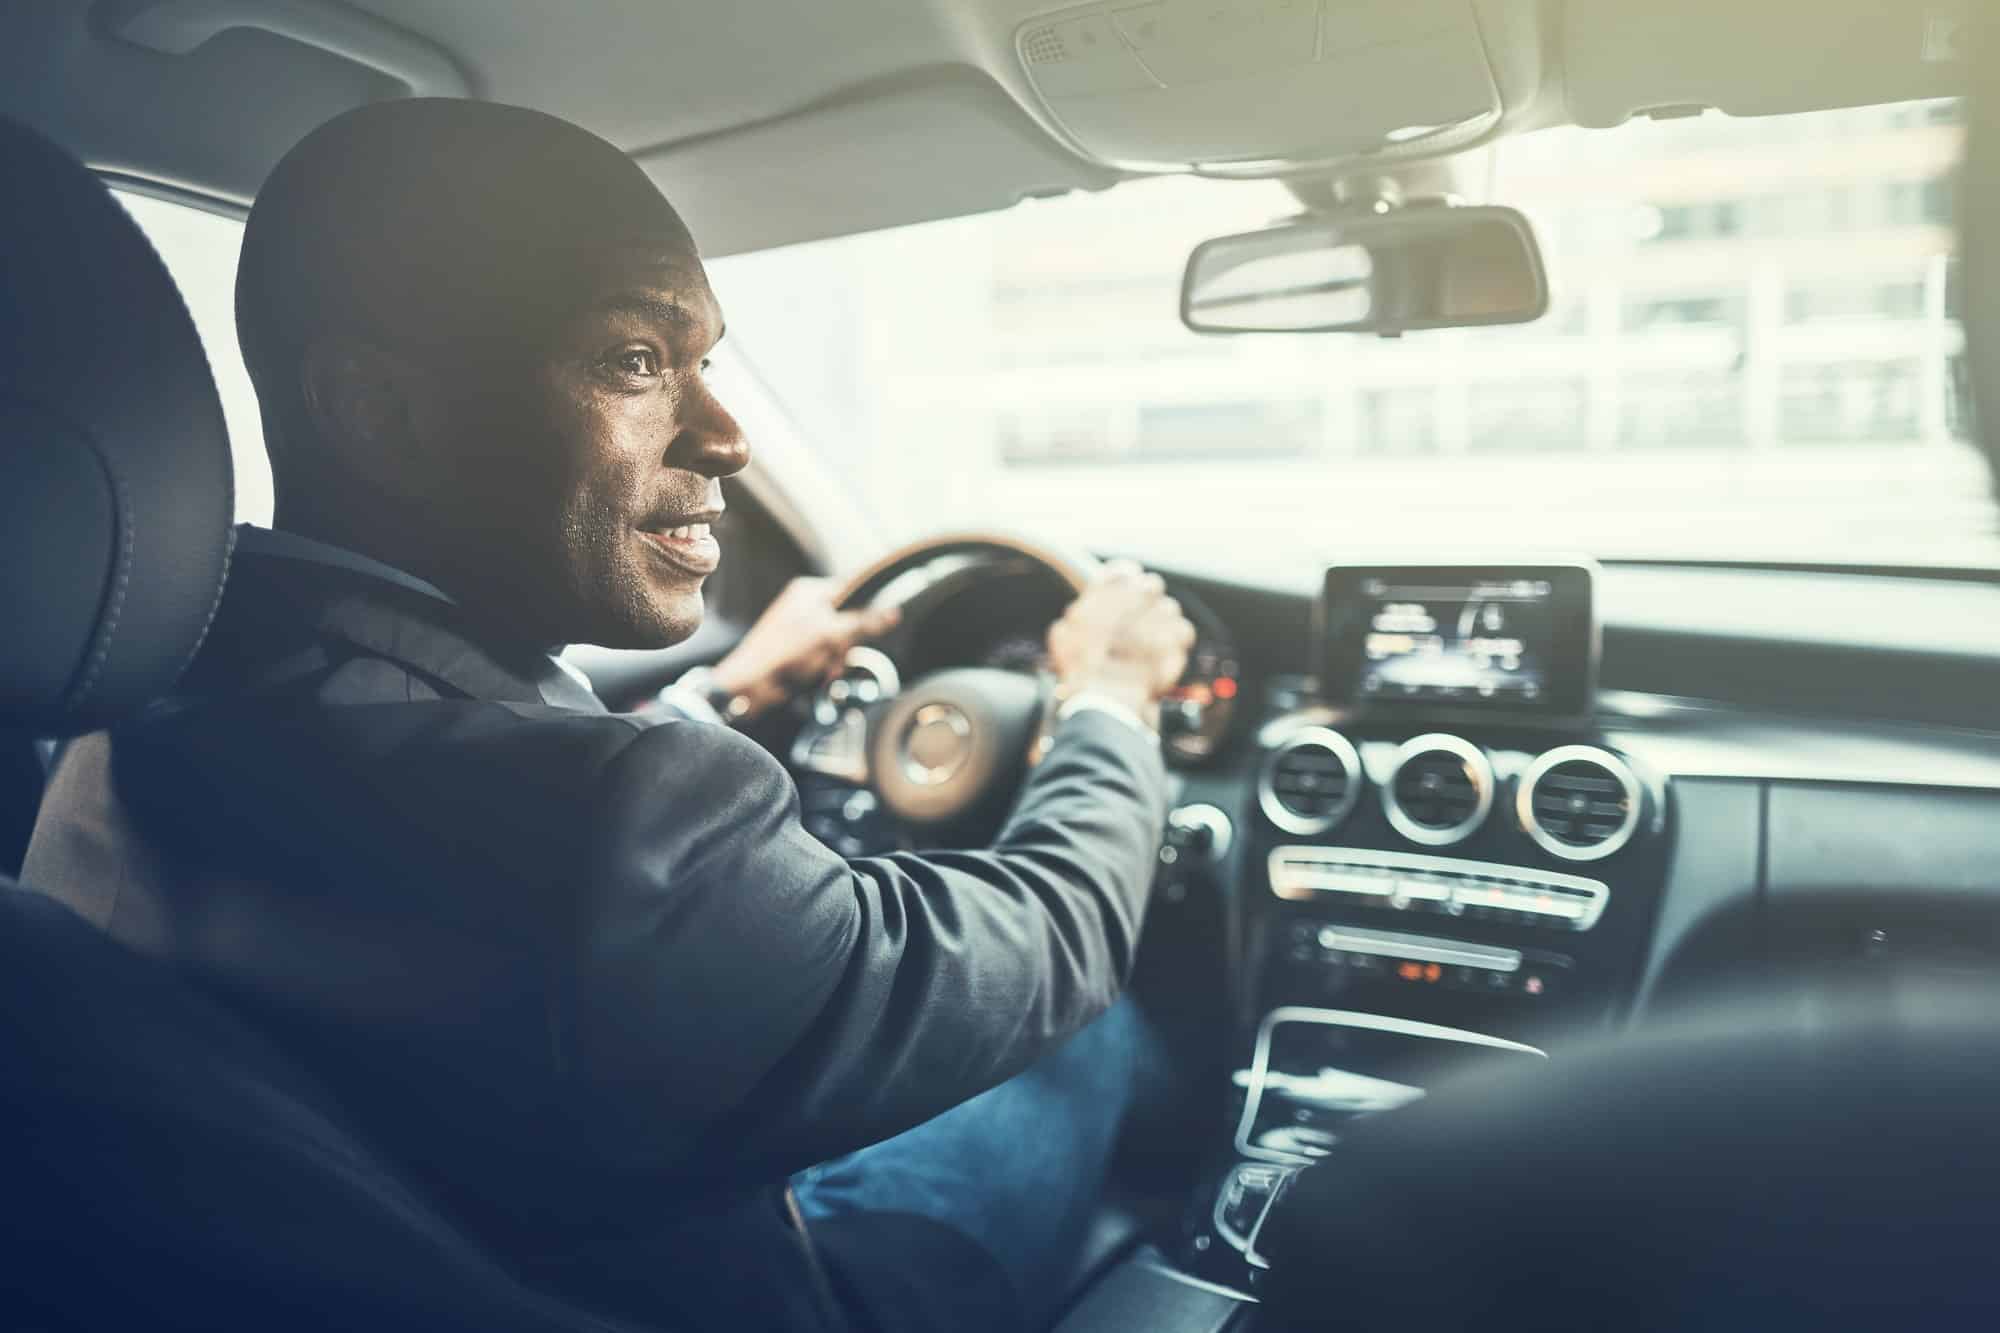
115,486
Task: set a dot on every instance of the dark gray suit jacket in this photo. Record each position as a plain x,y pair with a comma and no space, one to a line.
585,976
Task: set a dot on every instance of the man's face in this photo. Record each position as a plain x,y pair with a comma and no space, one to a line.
619,447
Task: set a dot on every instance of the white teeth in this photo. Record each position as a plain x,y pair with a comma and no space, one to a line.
687,532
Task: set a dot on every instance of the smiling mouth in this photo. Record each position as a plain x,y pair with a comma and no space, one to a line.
690,546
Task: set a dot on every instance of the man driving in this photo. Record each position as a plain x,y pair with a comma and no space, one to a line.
584,976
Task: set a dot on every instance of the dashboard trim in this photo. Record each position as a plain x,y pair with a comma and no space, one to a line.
1421,948
1679,736
1260,1061
1282,862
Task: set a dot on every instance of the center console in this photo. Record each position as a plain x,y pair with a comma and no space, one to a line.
1445,869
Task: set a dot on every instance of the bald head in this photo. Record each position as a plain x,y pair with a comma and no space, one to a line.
436,227
477,335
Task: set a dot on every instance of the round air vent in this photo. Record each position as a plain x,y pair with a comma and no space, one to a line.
1579,803
1310,781
1439,790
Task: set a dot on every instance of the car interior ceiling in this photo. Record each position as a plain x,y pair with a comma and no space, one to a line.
1676,996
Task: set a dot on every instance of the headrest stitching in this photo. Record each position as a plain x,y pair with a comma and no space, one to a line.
115,604
214,603
229,534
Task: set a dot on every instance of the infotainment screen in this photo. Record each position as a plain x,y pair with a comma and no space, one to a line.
1499,638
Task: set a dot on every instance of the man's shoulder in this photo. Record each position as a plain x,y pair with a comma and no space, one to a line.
684,755
378,714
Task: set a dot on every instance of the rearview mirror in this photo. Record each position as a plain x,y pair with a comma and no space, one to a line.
1431,267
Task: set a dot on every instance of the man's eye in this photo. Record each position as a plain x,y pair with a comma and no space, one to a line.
639,361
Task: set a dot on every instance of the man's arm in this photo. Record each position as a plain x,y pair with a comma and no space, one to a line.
730,963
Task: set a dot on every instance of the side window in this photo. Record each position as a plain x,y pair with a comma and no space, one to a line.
199,250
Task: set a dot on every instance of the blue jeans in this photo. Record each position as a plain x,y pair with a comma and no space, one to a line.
1018,1169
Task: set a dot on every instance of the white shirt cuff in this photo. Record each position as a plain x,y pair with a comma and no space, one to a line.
1090,701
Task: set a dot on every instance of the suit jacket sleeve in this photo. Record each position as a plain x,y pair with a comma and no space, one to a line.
724,958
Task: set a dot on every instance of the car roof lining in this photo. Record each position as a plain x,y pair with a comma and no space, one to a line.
832,119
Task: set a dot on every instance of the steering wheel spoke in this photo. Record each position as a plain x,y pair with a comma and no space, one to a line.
835,749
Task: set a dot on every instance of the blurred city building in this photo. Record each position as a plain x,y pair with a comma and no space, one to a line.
1750,354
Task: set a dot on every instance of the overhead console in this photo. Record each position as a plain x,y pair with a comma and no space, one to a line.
1259,85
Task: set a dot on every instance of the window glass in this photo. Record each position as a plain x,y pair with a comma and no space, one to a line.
199,249
1753,351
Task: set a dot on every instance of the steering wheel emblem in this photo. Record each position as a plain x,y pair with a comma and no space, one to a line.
937,744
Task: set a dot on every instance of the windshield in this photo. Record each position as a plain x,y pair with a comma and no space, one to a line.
1751,353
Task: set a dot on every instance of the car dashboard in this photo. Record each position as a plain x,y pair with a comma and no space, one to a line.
1529,841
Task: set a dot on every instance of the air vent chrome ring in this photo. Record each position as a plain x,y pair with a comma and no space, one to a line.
1478,771
1290,820
1620,772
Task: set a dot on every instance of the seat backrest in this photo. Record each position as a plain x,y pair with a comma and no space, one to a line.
165,1167
1811,1158
161,1164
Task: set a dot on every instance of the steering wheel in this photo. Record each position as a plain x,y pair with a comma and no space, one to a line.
953,746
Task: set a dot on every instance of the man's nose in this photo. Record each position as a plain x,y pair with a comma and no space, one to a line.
710,441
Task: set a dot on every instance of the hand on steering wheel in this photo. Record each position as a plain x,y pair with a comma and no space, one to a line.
948,752
1123,638
799,640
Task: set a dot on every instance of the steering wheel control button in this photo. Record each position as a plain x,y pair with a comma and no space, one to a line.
1408,882
834,749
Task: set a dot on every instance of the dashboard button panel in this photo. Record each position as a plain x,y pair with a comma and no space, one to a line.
1403,881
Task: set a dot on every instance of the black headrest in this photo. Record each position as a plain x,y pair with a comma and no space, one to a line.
115,483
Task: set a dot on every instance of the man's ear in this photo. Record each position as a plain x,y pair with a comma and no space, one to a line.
382,414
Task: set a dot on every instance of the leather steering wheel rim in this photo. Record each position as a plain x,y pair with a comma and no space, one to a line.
1077,569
